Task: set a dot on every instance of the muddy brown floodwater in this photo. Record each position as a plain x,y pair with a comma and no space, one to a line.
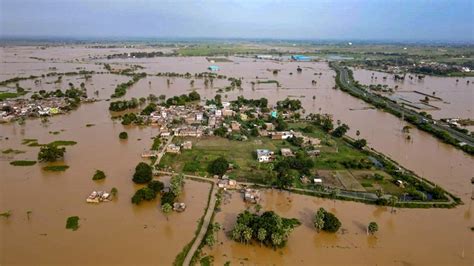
120,233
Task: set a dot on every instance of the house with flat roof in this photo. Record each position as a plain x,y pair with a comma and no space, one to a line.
264,155
213,68
301,58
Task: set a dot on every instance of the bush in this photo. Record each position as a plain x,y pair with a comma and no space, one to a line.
123,135
156,185
50,153
168,197
326,221
145,193
72,223
143,173
99,175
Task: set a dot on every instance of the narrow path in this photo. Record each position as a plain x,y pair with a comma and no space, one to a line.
205,225
163,151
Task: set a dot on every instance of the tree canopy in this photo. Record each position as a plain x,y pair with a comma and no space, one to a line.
269,228
143,173
219,166
50,153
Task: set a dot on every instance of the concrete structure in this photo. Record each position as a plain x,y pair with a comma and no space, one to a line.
264,156
187,145
301,58
172,148
285,152
213,68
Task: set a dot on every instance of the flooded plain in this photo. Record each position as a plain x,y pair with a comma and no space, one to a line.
142,235
457,93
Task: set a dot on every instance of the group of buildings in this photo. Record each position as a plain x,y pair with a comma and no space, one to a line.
14,109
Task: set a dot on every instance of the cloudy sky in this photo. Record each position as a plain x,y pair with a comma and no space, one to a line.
443,20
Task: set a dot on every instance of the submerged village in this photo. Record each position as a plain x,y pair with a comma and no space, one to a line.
231,171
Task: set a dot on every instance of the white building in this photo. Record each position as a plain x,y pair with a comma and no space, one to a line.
264,156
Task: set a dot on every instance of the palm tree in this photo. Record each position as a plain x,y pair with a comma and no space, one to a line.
166,208
261,235
392,201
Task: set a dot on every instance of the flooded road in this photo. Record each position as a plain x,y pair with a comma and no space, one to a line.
143,236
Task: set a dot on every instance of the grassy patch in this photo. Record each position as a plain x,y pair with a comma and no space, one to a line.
12,151
56,168
72,223
206,261
23,163
239,153
34,143
90,125
7,95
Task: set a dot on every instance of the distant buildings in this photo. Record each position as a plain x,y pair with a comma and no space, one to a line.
213,68
301,58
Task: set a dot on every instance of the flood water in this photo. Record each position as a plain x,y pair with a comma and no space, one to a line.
142,235
456,92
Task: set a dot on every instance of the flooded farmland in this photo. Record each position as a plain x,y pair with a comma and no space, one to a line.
142,234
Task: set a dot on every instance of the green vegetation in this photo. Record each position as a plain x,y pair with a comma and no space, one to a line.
274,230
148,193
6,95
12,151
72,223
50,153
123,135
219,166
156,144
166,209
6,214
34,143
99,175
183,99
114,192
23,163
56,168
143,173
121,88
206,261
176,184
372,228
119,106
326,221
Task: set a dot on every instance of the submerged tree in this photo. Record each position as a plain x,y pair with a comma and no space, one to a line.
50,153
373,228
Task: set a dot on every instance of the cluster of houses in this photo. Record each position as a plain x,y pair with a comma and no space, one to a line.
98,196
13,109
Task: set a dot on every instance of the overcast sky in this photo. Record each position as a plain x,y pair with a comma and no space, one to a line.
444,20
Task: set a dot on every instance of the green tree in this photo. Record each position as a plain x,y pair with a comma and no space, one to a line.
340,131
373,228
359,144
166,209
156,185
261,234
176,184
218,167
277,239
194,95
319,219
99,175
247,235
50,153
392,201
143,173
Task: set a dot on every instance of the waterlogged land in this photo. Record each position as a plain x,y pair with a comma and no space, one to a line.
53,196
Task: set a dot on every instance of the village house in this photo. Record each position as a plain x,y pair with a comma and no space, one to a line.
314,153
235,126
251,195
282,135
227,183
228,113
286,152
264,155
269,126
172,148
187,145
